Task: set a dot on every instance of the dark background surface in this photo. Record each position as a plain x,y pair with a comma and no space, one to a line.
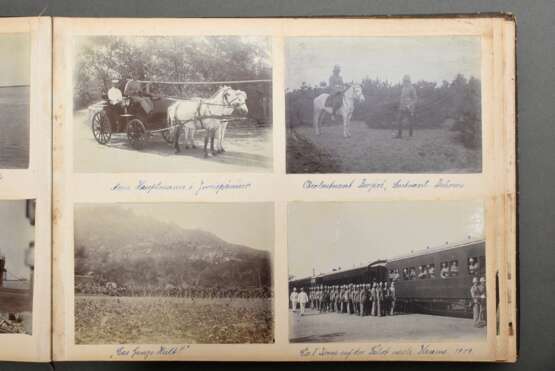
536,149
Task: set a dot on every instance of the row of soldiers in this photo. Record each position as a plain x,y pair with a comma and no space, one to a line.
376,299
112,289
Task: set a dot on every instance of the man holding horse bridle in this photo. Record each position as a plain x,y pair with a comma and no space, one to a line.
407,106
336,87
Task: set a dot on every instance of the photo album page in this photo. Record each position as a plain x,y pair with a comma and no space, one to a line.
25,189
262,189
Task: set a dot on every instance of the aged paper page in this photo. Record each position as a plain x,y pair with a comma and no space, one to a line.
284,189
25,189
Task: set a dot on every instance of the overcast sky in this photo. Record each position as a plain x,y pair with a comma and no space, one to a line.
16,58
16,232
430,58
250,224
324,236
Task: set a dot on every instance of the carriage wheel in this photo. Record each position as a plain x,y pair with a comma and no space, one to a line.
101,127
136,133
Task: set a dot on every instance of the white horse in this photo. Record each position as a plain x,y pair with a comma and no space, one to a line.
207,114
350,95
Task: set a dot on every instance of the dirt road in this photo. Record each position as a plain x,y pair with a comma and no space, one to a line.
248,149
376,151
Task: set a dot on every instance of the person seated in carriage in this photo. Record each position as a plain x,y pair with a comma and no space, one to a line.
140,94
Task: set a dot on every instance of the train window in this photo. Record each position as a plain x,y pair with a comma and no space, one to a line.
431,271
406,275
412,275
454,268
444,272
482,260
394,274
474,266
422,272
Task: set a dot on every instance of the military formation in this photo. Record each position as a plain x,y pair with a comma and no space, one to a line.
377,299
196,292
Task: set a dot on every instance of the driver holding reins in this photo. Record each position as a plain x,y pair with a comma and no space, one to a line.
336,87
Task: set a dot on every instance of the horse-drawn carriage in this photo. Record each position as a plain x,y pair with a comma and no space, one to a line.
124,114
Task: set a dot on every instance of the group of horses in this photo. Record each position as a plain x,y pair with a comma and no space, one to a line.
211,114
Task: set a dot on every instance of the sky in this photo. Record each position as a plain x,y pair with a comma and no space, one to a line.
430,58
15,65
250,224
15,234
323,236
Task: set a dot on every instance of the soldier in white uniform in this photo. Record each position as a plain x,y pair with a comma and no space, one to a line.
294,297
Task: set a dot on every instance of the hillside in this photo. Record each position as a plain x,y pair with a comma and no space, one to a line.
114,244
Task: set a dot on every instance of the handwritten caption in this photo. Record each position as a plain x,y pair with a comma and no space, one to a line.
196,188
369,185
144,353
381,350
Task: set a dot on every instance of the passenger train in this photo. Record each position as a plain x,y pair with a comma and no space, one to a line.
433,280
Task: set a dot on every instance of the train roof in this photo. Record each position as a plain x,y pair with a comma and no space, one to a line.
437,249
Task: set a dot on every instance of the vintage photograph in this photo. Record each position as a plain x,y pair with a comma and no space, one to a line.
15,70
174,273
17,229
383,104
387,272
172,104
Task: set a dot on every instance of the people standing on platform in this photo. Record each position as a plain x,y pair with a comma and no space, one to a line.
482,300
302,299
475,295
374,296
294,297
392,298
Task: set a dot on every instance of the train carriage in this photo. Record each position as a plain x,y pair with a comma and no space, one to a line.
434,281
438,281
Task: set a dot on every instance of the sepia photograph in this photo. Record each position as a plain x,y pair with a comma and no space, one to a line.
172,104
174,273
15,70
387,272
383,104
17,229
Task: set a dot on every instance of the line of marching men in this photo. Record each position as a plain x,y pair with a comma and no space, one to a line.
376,299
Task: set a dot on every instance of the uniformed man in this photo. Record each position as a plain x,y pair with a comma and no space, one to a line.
392,297
363,300
134,90
482,300
303,299
407,106
475,296
374,296
294,297
379,299
336,87
114,94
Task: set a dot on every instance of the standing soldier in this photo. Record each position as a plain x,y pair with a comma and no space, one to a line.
337,88
337,299
482,300
407,106
475,295
363,300
374,297
303,299
294,297
346,299
379,299
392,298
385,305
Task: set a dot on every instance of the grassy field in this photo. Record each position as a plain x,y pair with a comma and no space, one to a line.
376,151
155,320
14,127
